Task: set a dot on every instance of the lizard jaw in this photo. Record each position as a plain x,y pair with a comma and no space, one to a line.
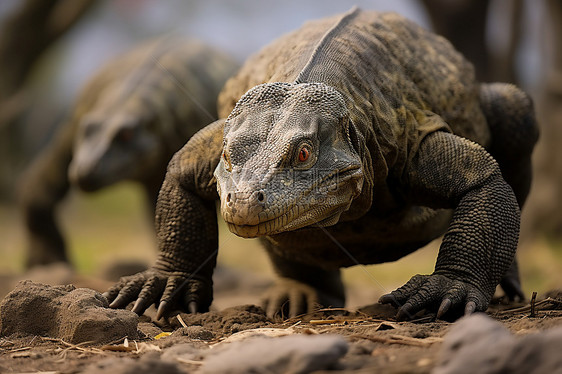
279,224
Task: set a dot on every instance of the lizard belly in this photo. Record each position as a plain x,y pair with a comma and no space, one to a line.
368,240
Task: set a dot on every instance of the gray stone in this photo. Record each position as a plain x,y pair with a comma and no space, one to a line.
185,352
73,314
479,344
287,354
146,365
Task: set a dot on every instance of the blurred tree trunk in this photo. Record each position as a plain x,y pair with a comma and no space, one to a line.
24,36
544,213
502,67
463,23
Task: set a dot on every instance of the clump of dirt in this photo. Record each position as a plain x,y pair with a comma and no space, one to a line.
73,314
195,333
227,321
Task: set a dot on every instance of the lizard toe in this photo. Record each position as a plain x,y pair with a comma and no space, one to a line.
399,296
150,292
128,293
389,299
470,308
290,298
428,294
192,307
274,304
512,288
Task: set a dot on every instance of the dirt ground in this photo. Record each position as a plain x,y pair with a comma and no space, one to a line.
186,343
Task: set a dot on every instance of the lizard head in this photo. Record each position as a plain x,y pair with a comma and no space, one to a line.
116,140
288,161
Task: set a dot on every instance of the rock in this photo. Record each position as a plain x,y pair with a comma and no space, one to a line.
266,332
73,314
478,344
537,353
146,365
184,352
287,354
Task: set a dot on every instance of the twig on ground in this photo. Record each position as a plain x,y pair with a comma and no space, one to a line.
181,321
533,305
19,349
545,304
428,318
117,341
331,310
344,320
117,348
5,343
400,339
70,346
189,362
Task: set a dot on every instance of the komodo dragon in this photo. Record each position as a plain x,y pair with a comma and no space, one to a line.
360,139
128,121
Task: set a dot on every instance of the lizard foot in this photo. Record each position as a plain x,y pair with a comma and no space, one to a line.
511,284
436,292
290,298
168,291
512,288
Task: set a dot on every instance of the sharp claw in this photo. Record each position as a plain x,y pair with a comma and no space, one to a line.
404,313
389,299
192,307
444,307
119,302
162,309
139,307
470,308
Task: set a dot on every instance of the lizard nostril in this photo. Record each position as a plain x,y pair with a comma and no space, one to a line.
261,196
228,197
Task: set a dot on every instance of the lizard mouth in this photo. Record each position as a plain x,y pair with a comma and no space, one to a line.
276,226
323,210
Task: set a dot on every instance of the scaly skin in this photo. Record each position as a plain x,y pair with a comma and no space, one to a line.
356,139
129,120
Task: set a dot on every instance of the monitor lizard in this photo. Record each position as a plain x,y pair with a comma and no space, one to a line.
127,122
356,139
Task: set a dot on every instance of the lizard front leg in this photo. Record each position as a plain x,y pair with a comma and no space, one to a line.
480,244
186,226
42,187
301,287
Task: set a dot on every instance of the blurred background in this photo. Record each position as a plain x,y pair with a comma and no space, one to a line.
48,48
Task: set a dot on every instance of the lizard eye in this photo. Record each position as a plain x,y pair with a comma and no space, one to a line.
90,128
226,160
125,135
304,154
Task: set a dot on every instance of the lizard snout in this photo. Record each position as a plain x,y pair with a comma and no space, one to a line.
243,208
